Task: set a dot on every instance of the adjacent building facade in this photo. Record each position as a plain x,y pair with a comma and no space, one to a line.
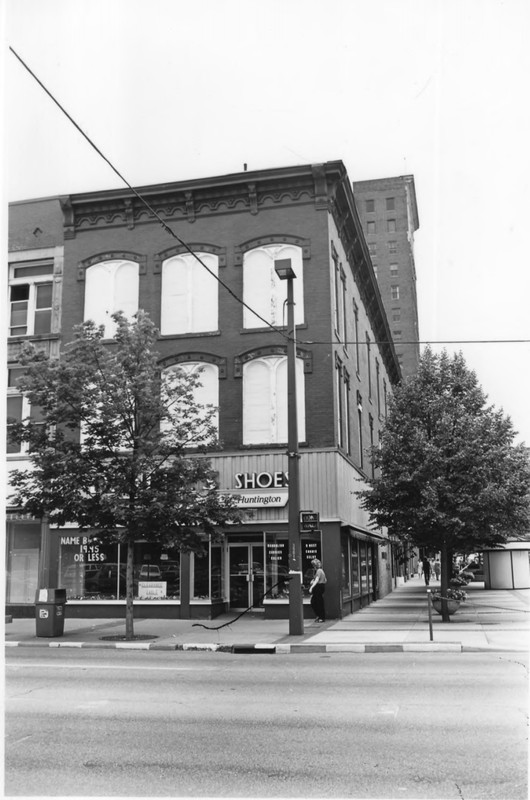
85,256
389,214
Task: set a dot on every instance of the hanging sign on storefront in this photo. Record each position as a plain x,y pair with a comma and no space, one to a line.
261,489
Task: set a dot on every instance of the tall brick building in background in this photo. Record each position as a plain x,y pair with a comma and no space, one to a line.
85,256
389,214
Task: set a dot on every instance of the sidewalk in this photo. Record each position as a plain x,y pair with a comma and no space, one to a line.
488,621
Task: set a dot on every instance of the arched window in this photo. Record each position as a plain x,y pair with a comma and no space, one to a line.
264,292
189,294
111,286
205,394
265,400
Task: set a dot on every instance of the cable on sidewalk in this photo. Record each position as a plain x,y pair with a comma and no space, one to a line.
231,622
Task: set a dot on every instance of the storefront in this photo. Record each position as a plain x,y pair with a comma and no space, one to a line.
247,567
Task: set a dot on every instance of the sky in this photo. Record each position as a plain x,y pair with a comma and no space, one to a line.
171,90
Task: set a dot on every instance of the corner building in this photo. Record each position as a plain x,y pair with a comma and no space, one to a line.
118,257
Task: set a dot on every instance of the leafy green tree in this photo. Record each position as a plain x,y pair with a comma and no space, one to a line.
111,451
450,477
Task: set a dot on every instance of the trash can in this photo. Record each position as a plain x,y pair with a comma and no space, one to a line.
49,612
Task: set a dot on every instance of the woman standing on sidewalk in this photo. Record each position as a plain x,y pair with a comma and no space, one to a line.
316,590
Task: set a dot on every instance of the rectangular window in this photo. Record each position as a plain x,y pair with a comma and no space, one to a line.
391,226
370,227
23,548
360,428
14,415
372,248
390,204
370,206
336,286
396,315
393,270
340,408
397,334
356,334
355,576
343,306
369,360
30,296
378,379
392,247
92,569
364,567
371,422
394,292
277,563
346,406
345,567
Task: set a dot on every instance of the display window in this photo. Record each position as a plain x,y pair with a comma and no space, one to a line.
91,569
207,574
22,574
355,568
277,563
364,567
344,565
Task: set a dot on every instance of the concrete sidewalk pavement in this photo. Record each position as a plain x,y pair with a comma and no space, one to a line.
399,622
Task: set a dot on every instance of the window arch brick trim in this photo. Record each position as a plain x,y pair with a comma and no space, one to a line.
273,350
115,255
195,247
272,239
206,358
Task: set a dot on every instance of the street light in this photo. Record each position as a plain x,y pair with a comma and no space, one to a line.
285,272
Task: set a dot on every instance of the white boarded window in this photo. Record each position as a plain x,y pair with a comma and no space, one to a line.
265,400
189,294
205,394
111,286
264,292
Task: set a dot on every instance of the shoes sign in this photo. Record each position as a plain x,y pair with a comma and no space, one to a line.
309,521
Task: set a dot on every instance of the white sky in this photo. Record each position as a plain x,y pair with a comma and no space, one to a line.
177,89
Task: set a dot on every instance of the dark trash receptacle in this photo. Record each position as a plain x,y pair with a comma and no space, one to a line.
49,612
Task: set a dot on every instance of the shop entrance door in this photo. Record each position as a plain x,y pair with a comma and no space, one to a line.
246,576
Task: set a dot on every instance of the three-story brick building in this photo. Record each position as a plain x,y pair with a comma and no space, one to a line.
117,256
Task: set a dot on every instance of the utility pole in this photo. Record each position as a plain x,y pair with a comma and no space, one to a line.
285,271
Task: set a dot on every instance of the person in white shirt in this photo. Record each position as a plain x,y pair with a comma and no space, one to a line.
316,590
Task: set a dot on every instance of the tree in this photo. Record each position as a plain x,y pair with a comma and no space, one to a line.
111,450
450,476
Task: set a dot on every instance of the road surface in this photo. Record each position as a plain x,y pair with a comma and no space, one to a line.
386,725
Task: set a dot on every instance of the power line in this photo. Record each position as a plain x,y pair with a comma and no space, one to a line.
398,342
165,226
184,244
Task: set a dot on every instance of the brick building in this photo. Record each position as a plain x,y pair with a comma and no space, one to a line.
103,251
389,214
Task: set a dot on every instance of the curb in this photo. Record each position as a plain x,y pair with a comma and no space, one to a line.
283,649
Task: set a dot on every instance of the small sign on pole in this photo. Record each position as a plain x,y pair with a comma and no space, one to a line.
309,521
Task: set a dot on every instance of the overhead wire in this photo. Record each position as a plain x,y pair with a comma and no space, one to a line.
145,202
184,244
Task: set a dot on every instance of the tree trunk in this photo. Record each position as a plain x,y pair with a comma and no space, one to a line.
444,580
129,590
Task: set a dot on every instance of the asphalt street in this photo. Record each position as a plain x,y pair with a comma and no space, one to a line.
177,724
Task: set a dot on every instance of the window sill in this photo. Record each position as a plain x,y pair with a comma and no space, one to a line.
191,335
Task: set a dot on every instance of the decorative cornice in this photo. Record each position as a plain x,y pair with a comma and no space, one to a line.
245,192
